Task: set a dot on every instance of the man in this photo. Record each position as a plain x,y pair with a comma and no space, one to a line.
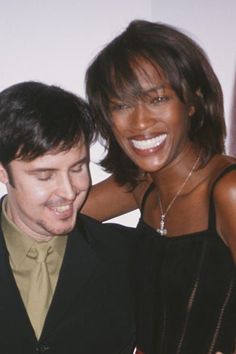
64,277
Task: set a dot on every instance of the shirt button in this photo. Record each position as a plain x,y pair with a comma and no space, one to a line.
43,348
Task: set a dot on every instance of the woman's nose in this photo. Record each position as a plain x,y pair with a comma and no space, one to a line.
141,117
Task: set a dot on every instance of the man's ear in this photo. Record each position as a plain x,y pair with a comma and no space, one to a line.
3,174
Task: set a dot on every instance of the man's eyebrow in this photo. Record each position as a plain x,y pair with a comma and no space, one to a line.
81,161
40,169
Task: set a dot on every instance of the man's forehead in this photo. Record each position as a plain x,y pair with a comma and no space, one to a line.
76,153
61,150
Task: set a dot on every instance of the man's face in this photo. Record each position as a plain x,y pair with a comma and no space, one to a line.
47,192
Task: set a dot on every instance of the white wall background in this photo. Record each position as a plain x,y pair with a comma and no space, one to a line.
54,40
212,23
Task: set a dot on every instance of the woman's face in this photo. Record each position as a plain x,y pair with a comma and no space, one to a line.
153,130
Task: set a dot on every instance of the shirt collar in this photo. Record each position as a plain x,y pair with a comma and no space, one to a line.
19,243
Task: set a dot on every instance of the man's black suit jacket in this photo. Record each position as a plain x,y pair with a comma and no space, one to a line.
92,309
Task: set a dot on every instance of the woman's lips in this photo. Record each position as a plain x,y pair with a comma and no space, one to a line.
149,143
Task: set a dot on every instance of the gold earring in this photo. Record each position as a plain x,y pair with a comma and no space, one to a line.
191,111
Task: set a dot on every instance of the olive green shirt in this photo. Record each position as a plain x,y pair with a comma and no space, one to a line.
19,245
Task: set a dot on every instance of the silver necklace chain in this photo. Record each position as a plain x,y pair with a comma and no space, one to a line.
162,229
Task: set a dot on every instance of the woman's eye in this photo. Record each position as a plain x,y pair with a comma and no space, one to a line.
158,99
116,107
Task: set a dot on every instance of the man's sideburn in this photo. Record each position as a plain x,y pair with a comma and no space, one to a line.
10,175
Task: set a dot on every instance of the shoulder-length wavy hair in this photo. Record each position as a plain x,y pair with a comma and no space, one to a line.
113,74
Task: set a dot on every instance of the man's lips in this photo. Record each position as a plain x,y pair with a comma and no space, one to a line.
150,143
61,209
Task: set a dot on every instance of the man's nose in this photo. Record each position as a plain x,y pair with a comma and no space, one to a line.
66,189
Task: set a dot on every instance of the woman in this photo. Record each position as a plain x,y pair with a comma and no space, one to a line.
159,107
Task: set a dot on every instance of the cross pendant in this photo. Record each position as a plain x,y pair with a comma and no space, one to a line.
162,231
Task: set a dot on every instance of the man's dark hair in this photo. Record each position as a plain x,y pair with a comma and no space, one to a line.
36,118
113,75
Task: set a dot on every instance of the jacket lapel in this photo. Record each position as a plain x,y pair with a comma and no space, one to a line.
12,309
80,262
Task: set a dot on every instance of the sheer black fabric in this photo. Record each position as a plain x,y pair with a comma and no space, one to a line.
186,294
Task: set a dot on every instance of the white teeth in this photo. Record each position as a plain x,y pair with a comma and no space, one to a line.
149,143
62,208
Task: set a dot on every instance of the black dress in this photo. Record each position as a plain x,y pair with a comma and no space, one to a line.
186,291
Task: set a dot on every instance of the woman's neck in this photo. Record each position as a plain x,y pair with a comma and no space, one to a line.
170,178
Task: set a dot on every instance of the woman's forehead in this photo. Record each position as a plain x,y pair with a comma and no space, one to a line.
139,73
142,76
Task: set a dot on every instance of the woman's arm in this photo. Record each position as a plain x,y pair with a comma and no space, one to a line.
107,200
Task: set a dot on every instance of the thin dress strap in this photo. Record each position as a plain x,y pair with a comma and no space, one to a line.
212,214
146,194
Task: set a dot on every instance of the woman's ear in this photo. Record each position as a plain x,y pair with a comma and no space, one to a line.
192,108
191,111
3,174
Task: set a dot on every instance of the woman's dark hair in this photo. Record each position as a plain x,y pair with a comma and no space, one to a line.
36,118
113,74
